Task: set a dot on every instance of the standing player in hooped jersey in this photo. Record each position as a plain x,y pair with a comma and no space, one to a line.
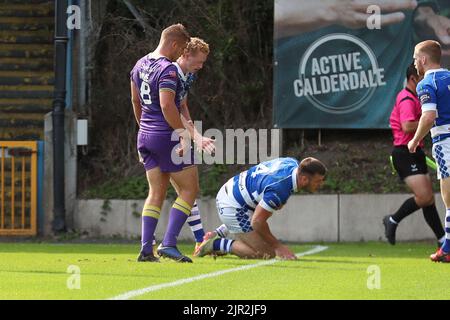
434,95
155,91
248,200
190,62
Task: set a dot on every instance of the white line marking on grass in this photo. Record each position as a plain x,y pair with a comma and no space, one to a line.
140,292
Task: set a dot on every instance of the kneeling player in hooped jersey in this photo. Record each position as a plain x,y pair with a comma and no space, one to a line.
248,200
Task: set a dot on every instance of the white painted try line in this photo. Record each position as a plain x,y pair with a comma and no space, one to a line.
140,292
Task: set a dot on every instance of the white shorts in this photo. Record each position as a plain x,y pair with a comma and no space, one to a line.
231,213
441,153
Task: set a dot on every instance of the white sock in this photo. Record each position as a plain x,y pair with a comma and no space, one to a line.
222,231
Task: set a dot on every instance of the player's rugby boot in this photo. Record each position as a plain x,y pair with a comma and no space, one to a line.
172,253
440,256
147,258
206,247
197,245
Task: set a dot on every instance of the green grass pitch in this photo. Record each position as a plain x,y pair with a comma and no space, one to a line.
343,271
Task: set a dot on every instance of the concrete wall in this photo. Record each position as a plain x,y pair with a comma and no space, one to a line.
123,218
305,218
360,218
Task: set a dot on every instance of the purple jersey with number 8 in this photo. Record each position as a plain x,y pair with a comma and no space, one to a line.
150,77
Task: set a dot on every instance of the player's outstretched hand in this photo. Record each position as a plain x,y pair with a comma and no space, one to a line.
295,17
353,13
430,25
205,144
283,252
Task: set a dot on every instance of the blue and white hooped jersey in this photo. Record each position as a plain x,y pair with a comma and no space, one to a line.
186,81
269,184
434,95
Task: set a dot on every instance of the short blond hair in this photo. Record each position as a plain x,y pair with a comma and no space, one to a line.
432,49
196,45
176,32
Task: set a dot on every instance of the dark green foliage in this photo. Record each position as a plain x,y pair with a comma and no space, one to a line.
234,89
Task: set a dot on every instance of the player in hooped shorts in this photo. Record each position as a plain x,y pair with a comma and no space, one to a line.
434,96
248,200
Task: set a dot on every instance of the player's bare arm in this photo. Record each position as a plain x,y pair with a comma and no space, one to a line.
136,102
169,109
172,116
186,117
203,143
425,124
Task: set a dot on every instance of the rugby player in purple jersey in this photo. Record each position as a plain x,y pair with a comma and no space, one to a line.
156,98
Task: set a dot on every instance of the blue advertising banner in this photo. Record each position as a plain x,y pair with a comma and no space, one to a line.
340,64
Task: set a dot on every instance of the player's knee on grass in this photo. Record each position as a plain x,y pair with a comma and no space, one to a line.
260,248
265,255
244,251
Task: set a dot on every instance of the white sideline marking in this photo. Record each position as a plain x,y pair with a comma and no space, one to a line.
140,292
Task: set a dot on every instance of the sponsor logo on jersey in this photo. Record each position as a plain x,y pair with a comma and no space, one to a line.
424,98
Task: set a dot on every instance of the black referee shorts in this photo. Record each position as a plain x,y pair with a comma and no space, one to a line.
409,164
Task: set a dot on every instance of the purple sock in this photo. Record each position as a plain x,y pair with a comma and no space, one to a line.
148,229
150,216
177,218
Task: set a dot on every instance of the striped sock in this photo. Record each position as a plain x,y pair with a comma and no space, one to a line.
150,217
195,222
222,231
446,246
223,245
177,217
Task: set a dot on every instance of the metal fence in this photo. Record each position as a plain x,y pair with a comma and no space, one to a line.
18,188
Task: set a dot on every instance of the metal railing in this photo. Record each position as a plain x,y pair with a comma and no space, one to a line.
18,188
